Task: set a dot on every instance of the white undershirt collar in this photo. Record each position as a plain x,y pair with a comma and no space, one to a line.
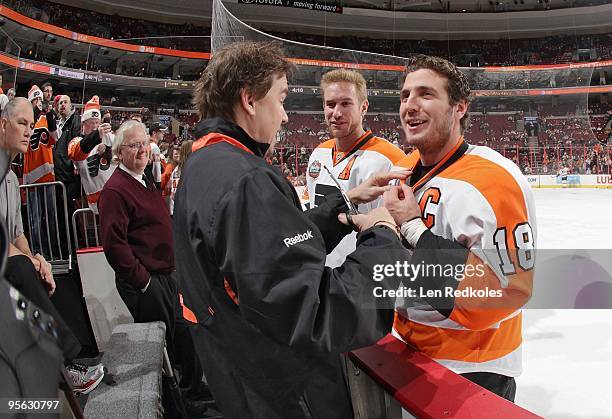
138,177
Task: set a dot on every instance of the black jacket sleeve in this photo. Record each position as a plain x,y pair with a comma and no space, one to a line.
433,250
51,121
90,141
325,217
273,256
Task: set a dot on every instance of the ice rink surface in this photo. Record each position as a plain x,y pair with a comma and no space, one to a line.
567,354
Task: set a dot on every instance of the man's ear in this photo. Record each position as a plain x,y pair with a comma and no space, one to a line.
3,122
364,107
247,102
462,108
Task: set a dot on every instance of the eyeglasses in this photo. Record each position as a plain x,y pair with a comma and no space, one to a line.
136,146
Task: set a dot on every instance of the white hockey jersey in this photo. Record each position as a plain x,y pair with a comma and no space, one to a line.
94,168
156,161
369,155
480,200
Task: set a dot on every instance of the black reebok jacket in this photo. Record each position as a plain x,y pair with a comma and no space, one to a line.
273,350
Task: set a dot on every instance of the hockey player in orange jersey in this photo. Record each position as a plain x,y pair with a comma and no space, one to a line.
463,206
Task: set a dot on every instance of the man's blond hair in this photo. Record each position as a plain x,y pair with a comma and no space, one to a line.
348,76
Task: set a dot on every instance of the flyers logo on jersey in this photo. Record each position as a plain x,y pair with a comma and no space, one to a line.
97,162
39,136
315,169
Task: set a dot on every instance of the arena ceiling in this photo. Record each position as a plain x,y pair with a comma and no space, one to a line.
401,19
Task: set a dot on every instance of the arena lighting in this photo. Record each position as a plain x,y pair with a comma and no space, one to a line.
422,3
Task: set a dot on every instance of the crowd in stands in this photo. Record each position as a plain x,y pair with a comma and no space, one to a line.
471,53
538,145
114,26
543,146
564,126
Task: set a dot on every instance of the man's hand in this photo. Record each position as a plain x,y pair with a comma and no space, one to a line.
101,148
375,186
104,128
44,270
401,203
378,216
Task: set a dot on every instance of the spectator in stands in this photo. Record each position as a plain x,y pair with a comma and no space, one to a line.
70,127
171,164
3,100
136,232
55,107
30,273
179,160
38,168
91,152
17,120
608,130
252,262
47,90
154,168
11,93
164,147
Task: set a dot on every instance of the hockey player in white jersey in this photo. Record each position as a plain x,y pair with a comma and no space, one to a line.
91,152
352,154
563,172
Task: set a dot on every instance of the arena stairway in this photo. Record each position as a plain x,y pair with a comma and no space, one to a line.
133,361
134,358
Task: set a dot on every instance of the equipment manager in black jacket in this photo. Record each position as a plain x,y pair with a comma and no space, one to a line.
273,320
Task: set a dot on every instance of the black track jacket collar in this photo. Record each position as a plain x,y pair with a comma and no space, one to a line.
225,127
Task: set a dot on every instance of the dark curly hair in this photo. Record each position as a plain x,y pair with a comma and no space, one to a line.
457,85
240,65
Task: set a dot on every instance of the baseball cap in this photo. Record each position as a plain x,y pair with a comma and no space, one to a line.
157,126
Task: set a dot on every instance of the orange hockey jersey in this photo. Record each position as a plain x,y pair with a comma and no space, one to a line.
482,203
38,159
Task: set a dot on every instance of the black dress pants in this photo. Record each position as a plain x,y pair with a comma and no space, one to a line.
160,302
501,385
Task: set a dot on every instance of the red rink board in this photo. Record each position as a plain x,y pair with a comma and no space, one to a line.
427,389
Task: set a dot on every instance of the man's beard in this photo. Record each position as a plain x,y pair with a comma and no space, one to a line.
440,134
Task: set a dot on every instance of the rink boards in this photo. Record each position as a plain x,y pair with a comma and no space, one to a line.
572,181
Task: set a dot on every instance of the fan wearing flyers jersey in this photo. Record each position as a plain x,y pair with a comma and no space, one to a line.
91,152
352,155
